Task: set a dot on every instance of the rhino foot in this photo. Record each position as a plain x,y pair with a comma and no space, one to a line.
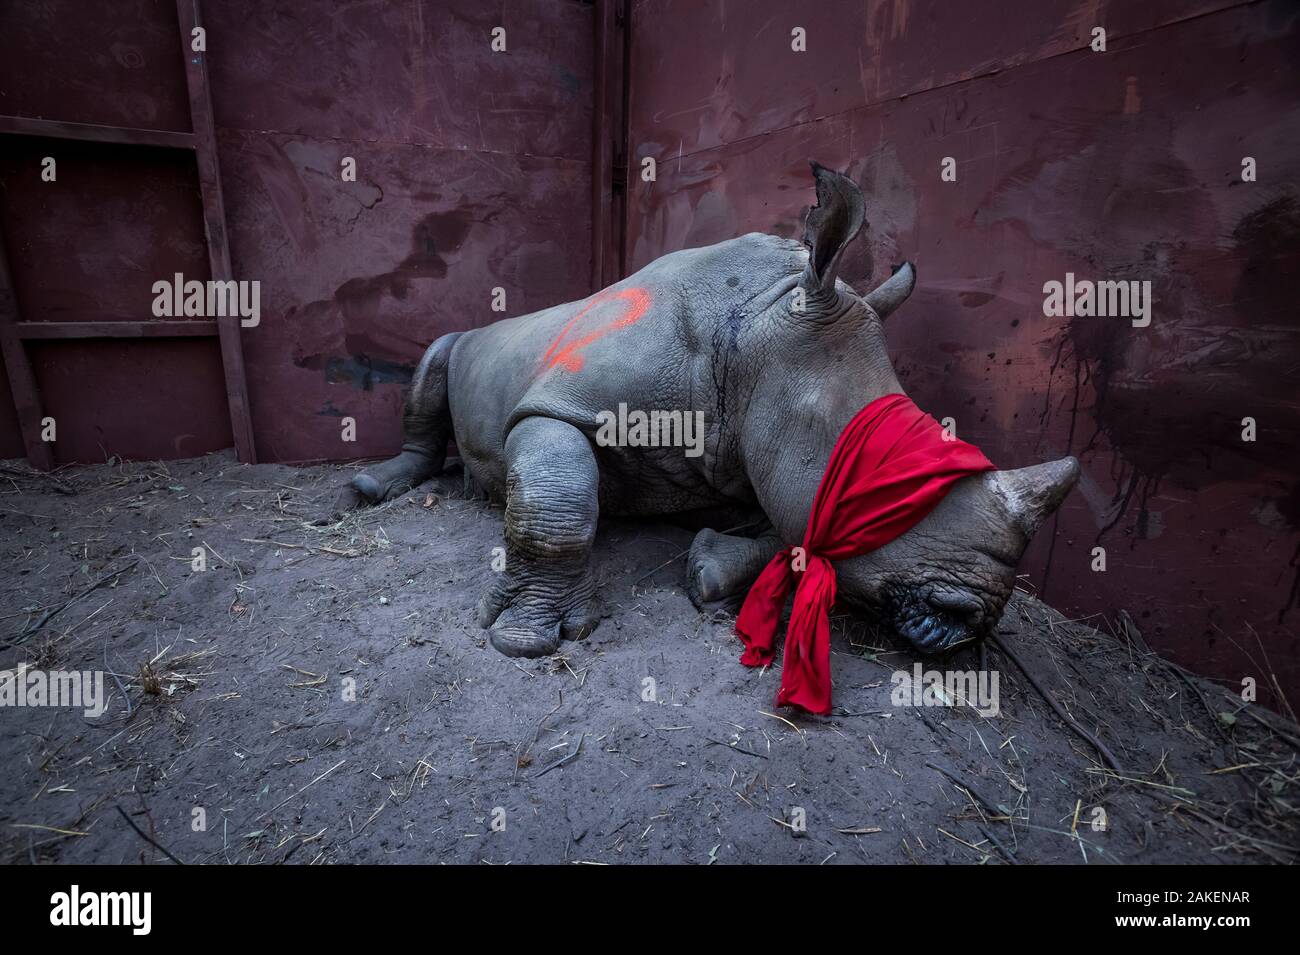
522,642
382,482
532,619
720,568
546,591
394,477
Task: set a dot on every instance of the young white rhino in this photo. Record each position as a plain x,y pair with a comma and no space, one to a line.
758,334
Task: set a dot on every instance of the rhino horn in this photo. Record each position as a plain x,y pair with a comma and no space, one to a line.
894,291
1032,494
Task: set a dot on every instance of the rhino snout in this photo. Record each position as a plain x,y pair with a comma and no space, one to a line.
939,621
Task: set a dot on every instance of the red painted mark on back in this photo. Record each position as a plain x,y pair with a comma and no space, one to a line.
569,357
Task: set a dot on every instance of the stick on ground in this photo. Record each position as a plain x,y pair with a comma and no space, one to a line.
1069,721
140,832
50,614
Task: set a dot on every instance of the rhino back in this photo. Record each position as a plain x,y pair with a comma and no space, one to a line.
670,337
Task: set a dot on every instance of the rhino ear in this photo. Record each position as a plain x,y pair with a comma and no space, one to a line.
830,226
892,292
1032,494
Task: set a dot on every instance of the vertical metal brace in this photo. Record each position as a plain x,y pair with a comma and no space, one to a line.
214,223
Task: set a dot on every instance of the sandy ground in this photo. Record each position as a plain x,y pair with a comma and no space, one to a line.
236,678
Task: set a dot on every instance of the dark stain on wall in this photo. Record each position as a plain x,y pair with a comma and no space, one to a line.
359,301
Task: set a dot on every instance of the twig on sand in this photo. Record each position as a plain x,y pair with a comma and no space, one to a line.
321,549
560,762
45,476
140,832
542,722
523,758
50,614
984,800
1011,859
1265,846
113,673
62,832
273,809
1254,714
968,845
739,749
1069,721
777,716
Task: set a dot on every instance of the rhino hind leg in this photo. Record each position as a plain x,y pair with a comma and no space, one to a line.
546,592
426,428
720,568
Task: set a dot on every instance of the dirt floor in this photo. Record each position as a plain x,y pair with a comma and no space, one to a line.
239,717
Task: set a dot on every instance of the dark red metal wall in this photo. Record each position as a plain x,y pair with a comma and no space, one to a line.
473,173
1124,164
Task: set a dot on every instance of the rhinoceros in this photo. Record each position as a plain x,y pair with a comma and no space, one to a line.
760,335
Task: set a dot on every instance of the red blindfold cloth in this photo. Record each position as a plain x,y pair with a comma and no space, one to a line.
891,466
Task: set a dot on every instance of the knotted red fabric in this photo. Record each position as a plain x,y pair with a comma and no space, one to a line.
890,468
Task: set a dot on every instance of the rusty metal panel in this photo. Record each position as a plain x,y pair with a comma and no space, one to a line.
710,72
113,64
89,246
419,71
1118,165
155,398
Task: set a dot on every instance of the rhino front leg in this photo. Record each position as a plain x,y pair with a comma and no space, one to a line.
720,568
426,428
546,592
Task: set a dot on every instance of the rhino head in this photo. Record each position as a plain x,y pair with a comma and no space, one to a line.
821,358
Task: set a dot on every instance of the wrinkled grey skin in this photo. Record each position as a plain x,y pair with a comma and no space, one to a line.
777,385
